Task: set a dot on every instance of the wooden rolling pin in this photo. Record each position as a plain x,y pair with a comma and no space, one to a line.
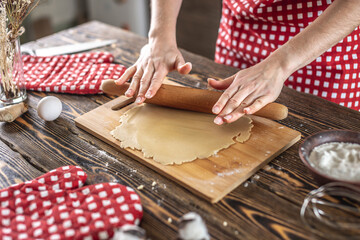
193,99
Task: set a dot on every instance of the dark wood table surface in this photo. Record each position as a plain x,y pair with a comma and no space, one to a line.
266,206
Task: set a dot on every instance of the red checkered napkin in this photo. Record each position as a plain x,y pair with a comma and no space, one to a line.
77,73
53,206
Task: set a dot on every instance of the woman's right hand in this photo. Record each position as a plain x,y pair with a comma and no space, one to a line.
156,60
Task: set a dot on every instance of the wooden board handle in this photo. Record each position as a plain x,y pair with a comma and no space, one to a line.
193,99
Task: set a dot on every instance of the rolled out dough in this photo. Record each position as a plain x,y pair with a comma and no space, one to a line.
176,136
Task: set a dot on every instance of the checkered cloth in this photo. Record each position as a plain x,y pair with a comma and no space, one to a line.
77,73
57,206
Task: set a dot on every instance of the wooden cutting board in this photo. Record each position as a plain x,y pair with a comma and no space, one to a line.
210,178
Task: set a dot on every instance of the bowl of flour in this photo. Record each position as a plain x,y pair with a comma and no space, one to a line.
333,155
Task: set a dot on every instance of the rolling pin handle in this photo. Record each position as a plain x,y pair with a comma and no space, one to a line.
273,111
110,87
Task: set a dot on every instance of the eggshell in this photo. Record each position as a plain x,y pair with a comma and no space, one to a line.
49,108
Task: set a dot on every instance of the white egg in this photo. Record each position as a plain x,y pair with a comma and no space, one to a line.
49,108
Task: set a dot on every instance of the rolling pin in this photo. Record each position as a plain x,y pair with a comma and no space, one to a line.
193,99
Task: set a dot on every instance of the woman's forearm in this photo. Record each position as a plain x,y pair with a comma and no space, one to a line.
334,24
160,56
164,14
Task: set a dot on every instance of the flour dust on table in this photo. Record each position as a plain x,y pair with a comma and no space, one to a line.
172,136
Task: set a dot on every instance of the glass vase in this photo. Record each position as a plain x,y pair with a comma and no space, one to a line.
12,81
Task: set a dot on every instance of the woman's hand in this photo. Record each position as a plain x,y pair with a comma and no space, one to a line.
248,90
155,62
251,89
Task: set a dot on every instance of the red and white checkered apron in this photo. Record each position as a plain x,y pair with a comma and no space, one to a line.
251,29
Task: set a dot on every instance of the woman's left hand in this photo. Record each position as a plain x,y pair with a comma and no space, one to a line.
248,90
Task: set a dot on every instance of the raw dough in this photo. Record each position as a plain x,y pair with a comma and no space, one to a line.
176,136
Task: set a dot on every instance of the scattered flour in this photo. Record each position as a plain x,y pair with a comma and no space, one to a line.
229,173
256,177
337,159
267,168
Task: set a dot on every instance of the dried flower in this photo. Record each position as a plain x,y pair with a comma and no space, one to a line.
12,15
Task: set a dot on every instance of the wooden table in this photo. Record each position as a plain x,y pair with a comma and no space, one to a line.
265,207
